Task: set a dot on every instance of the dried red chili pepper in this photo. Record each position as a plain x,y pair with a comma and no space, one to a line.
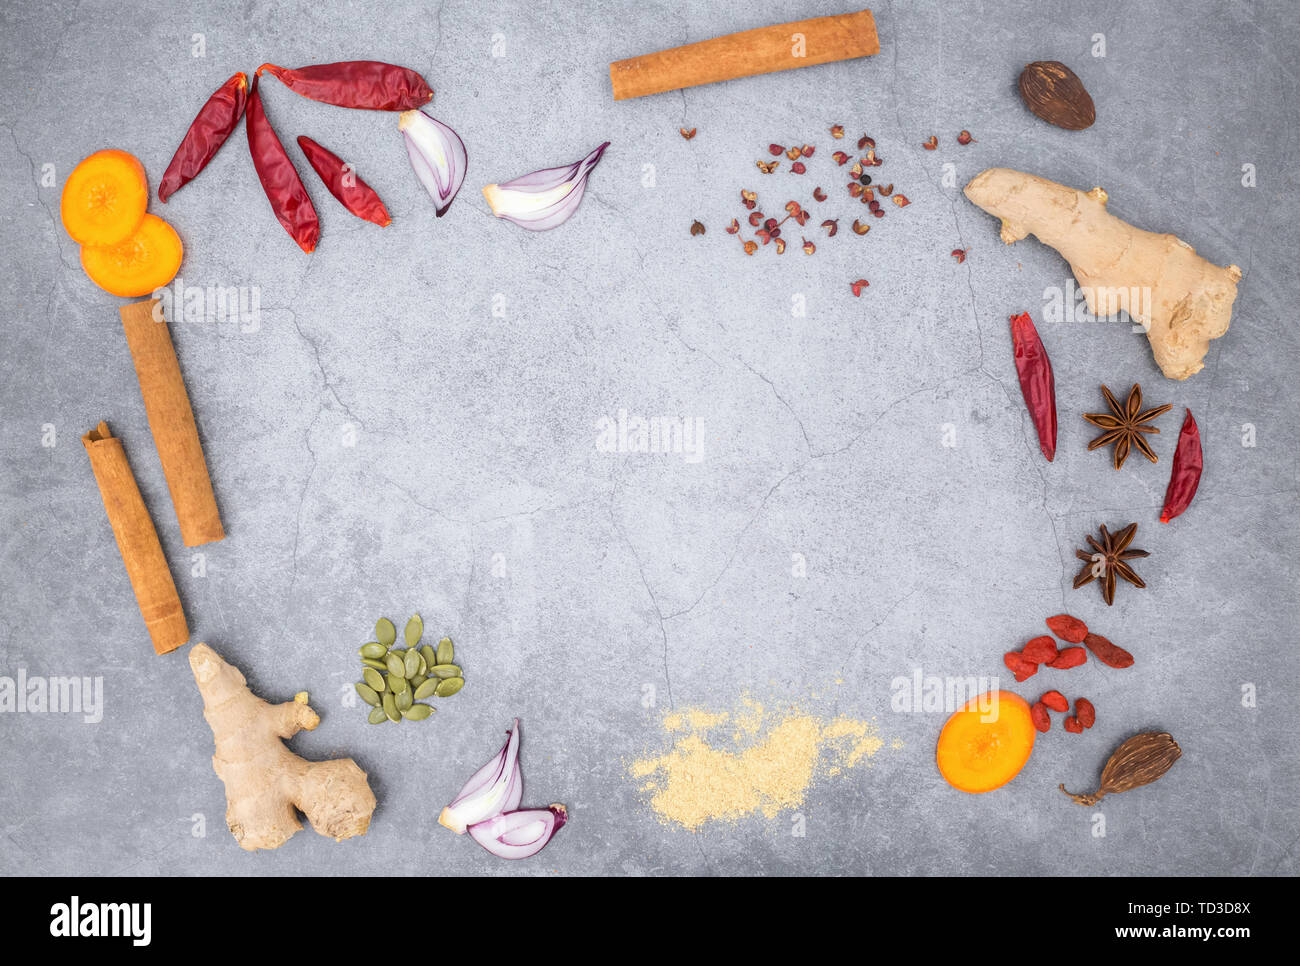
1039,716
1108,653
280,181
1041,650
1055,700
1185,477
366,84
1036,382
353,193
1069,657
1068,628
207,132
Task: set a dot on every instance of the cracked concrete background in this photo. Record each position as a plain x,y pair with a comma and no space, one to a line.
412,426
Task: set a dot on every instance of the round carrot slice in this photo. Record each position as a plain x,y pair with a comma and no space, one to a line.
104,199
146,261
981,749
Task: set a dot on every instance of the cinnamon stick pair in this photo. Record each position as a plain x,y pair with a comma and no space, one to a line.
171,420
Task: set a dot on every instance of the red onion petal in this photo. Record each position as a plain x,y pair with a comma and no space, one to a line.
437,154
539,182
517,835
494,788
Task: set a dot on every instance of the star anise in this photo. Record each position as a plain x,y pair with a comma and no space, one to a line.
1125,425
1107,561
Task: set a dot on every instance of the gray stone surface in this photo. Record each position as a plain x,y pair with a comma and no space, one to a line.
475,436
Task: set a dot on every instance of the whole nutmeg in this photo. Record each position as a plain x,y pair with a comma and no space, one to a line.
1054,92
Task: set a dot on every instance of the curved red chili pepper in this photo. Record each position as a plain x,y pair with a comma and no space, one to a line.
344,184
366,84
1185,476
280,181
1036,382
208,131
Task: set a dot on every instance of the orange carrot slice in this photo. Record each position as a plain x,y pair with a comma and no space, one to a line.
104,199
147,260
980,750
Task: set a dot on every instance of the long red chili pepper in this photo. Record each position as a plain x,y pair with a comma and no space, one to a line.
280,181
1036,382
1185,477
354,194
366,84
208,131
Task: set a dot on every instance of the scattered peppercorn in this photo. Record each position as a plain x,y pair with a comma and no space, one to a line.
858,286
687,134
931,144
697,228
865,179
964,138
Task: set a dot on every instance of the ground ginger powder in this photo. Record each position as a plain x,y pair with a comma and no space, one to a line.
766,765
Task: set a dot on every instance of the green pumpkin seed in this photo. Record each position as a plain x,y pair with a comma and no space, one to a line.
416,681
372,650
446,652
427,688
377,665
448,687
377,716
385,632
397,684
412,663
446,671
390,707
424,665
368,694
414,631
429,654
374,679
417,712
404,700
396,666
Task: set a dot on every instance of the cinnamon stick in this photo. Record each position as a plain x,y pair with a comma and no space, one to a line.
137,541
171,420
762,51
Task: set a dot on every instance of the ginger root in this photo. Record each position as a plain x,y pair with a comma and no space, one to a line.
265,782
1182,300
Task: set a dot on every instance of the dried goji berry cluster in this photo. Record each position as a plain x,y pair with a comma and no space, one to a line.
1025,662
768,230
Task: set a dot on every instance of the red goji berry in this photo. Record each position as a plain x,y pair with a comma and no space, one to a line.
1055,700
1018,666
1072,725
1085,712
1108,653
1041,650
1068,658
1068,628
1039,716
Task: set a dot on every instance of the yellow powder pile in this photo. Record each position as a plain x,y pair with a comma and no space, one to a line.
767,766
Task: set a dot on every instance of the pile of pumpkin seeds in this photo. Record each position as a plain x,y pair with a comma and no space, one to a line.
398,678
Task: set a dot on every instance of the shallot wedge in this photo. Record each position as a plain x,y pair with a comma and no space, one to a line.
494,788
517,835
437,154
543,199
